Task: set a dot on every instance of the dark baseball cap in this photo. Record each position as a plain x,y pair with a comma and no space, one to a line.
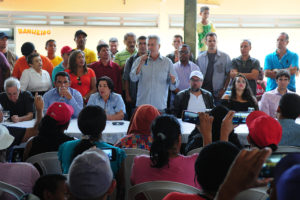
2,35
80,32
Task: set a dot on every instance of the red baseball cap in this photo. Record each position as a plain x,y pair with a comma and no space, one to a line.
263,129
61,112
65,49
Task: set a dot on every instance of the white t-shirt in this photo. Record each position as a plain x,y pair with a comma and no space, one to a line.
196,104
33,81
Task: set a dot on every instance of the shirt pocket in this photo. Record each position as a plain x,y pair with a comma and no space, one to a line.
219,67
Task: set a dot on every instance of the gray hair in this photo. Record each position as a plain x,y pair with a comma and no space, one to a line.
113,39
12,82
129,35
154,37
246,40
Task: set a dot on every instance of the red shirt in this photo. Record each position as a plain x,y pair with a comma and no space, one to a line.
85,81
21,65
112,70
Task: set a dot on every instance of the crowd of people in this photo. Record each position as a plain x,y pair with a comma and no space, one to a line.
151,90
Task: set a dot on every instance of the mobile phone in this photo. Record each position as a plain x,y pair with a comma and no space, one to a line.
240,117
190,117
267,170
111,153
117,123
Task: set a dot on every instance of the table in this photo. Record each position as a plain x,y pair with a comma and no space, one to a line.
112,133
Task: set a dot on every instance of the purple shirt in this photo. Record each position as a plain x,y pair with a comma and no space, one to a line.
184,72
270,101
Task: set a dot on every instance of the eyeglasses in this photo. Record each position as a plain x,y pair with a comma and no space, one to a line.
78,80
194,80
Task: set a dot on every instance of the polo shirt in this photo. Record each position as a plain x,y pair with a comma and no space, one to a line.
23,105
56,60
272,62
122,56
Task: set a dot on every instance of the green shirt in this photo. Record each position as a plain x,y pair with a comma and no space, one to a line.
122,56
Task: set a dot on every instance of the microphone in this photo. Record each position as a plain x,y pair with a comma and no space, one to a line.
148,54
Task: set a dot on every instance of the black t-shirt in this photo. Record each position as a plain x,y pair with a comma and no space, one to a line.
23,105
18,134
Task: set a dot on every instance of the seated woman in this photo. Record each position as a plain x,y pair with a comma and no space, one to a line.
139,129
91,122
20,174
83,78
35,79
111,102
51,130
165,163
241,97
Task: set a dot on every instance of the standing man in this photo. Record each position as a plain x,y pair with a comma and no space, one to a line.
51,49
246,65
80,39
131,86
10,56
63,93
155,76
106,67
65,54
113,46
177,42
282,58
204,27
215,66
121,57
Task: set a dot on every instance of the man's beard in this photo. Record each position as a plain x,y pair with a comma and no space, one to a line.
195,89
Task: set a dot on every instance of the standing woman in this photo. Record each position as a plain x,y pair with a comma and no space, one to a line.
83,78
35,79
241,97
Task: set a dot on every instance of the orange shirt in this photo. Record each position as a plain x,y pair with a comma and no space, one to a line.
84,84
21,65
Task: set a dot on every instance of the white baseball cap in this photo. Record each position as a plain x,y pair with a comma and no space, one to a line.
197,74
5,138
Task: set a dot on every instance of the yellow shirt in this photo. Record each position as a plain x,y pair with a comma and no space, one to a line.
202,30
56,61
90,56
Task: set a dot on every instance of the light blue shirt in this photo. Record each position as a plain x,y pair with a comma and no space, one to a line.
272,62
222,66
290,133
154,81
184,73
113,105
53,96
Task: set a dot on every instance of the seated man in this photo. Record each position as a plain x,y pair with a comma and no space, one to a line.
195,98
18,103
90,176
288,110
270,100
63,93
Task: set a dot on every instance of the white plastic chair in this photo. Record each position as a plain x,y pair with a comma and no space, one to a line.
130,154
48,162
13,190
252,194
197,150
288,149
156,190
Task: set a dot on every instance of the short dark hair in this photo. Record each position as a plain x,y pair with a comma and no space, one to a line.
48,41
165,133
30,57
213,163
142,37
204,8
113,39
100,46
27,48
246,40
210,34
283,72
178,36
108,80
62,73
187,46
286,35
289,105
49,183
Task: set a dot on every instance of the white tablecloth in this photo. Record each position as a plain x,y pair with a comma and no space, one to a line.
112,133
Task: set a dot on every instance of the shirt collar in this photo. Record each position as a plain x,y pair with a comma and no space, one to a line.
181,65
109,64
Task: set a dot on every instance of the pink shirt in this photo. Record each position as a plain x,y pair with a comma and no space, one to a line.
21,175
180,169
